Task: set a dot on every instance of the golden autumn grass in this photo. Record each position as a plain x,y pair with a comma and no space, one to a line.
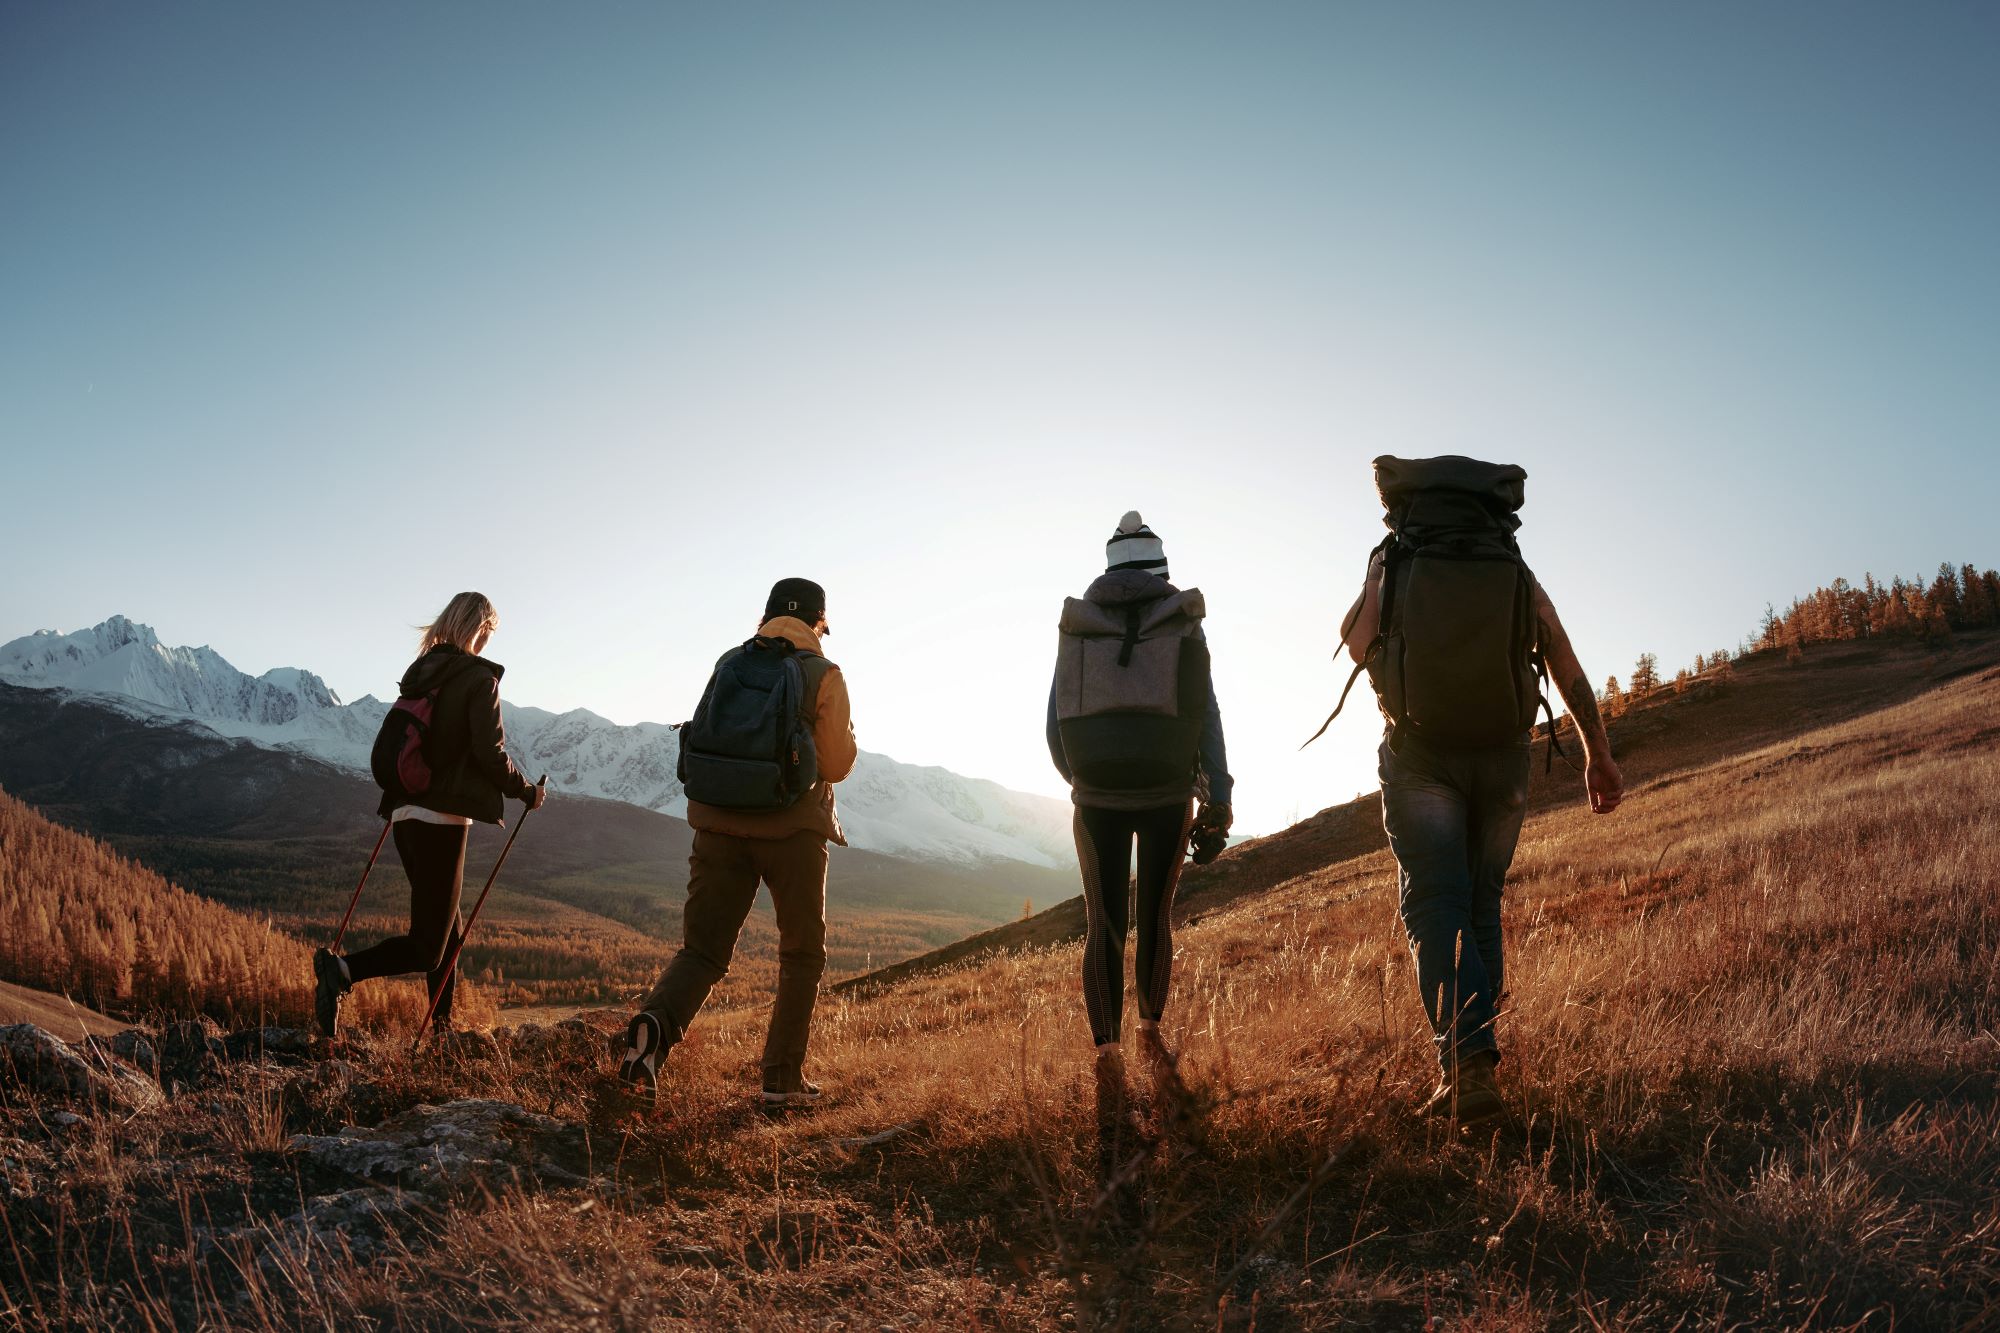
1751,1046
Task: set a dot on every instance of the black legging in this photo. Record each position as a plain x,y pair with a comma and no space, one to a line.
1104,850
434,860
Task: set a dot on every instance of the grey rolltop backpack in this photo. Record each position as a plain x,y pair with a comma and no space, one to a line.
750,743
1457,661
1132,691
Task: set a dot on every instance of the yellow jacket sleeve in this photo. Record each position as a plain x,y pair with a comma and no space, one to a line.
833,729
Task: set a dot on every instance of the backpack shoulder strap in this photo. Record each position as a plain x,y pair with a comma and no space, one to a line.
813,669
1133,615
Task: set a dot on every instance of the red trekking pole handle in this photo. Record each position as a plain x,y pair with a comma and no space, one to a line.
451,962
341,934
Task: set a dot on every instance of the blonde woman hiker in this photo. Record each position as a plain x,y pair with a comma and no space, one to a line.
441,760
1134,728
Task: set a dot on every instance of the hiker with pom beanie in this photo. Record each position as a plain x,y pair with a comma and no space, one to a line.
1134,728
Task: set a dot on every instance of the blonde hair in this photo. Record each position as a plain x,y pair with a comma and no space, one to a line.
461,622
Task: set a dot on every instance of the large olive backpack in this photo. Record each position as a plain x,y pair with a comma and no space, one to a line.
1457,661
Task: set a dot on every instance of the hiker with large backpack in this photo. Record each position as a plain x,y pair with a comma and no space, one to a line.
1134,728
758,760
1458,639
440,757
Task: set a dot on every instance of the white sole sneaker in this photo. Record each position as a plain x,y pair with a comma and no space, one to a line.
639,1063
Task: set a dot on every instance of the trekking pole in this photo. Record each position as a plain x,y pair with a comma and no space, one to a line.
341,934
451,962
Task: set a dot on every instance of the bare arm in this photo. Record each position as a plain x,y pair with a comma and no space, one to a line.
1363,620
1602,780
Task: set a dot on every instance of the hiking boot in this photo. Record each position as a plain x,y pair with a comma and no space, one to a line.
790,1093
638,1052
330,984
1469,1095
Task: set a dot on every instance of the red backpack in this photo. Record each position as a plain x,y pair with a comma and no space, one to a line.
400,760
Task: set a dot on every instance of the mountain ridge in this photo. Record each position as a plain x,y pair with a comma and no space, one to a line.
925,813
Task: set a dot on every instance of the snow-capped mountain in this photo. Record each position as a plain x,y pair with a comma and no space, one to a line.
886,806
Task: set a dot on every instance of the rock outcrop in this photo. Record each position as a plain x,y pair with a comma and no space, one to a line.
459,1145
44,1063
357,1224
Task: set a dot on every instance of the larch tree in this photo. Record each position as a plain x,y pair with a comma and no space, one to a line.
1944,597
1645,676
1978,609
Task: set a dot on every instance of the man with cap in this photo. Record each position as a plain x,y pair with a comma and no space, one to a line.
735,849
1134,728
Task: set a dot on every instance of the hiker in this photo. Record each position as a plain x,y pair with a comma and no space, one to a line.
441,760
1457,636
1134,728
768,741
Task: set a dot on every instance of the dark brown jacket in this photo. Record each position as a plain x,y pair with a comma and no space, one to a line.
471,774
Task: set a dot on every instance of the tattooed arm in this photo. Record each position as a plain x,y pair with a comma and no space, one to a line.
1601,778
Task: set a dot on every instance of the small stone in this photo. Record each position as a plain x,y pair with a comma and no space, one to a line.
135,1045
190,1047
259,1043
469,1044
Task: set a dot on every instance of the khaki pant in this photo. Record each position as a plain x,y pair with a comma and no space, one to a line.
723,874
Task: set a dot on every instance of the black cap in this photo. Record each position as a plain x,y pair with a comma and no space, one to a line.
796,597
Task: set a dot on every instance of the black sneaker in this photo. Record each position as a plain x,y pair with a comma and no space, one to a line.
330,978
639,1054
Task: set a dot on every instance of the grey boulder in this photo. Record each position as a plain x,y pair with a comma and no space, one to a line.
41,1062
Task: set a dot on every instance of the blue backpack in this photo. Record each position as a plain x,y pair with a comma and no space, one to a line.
750,744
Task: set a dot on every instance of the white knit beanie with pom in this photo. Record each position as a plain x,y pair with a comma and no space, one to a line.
1134,546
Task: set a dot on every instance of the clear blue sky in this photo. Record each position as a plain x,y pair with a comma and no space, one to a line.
312,315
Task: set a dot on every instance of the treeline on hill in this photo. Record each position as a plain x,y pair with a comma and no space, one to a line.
79,920
1960,598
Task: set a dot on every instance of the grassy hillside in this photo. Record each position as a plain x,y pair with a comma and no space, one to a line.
1750,1052
79,922
52,1013
1765,699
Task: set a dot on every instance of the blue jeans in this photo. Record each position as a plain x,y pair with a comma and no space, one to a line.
1453,818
